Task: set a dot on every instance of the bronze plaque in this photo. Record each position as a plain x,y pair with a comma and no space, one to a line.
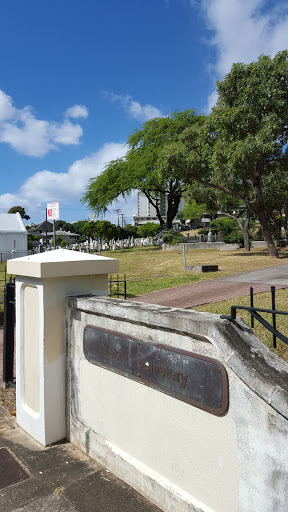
197,380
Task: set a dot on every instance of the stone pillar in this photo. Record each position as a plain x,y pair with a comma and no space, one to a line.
42,283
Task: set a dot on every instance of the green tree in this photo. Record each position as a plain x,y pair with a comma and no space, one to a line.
228,228
58,240
65,226
77,227
128,231
232,207
193,210
149,229
101,229
32,238
244,139
21,210
275,194
139,168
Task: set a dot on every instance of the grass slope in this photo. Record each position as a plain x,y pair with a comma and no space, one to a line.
261,300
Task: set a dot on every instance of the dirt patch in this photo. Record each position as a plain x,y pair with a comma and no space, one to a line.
8,399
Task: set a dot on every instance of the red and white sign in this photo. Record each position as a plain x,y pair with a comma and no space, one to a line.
52,211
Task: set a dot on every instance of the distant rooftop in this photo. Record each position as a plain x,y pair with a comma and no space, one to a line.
11,223
43,226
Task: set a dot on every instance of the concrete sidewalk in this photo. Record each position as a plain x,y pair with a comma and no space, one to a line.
58,478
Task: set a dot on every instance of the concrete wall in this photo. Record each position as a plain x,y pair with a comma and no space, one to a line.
258,243
203,245
180,457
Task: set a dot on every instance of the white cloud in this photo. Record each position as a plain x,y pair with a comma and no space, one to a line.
65,187
77,111
133,108
66,133
243,30
6,108
35,137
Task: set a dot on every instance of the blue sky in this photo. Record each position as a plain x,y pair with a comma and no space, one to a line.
77,77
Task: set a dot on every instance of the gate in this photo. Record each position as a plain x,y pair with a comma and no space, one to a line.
8,334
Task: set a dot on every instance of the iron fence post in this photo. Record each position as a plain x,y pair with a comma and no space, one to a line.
273,314
251,305
125,287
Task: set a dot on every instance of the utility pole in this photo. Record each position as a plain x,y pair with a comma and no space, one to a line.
46,230
122,220
117,212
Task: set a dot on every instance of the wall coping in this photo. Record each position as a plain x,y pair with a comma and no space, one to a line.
62,263
260,369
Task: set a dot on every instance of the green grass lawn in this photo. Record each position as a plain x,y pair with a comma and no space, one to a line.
150,262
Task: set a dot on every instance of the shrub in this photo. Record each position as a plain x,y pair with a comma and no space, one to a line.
32,238
173,237
149,229
228,229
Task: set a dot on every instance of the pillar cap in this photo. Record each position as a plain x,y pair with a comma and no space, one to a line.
62,263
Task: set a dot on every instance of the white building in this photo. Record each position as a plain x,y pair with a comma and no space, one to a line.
147,212
13,236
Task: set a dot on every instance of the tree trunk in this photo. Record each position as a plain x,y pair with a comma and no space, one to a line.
173,201
245,231
172,210
276,228
154,203
244,228
285,219
263,221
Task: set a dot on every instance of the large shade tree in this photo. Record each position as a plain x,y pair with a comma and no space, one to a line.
139,168
245,137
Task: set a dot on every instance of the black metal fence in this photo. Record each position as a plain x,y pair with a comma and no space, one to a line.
117,287
8,332
4,277
254,314
9,255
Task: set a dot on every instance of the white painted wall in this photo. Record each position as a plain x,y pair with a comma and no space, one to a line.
13,234
178,456
13,242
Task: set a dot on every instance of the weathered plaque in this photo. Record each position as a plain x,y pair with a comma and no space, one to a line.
197,380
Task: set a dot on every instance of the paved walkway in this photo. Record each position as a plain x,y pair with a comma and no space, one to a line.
220,289
58,478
